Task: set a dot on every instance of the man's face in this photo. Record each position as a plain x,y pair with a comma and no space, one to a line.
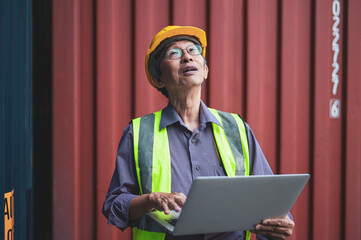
186,72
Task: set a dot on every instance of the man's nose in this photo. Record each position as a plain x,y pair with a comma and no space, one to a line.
186,57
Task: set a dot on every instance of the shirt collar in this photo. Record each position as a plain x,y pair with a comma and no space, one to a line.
170,116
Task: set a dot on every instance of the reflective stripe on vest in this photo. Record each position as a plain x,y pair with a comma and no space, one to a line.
153,163
151,154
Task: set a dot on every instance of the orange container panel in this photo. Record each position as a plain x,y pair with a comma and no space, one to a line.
352,142
226,51
295,113
114,97
327,138
263,75
73,120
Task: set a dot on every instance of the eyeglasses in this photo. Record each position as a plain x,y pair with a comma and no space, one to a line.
176,53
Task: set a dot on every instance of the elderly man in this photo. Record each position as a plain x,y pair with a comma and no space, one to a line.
160,154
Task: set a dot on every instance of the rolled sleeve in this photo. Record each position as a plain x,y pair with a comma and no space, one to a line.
118,214
124,184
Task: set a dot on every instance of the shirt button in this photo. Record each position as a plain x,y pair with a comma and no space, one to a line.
198,168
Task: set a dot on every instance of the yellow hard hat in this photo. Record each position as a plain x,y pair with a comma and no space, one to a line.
172,31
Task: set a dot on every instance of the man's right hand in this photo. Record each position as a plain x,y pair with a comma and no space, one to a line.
167,201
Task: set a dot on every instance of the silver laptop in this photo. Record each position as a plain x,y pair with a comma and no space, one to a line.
226,204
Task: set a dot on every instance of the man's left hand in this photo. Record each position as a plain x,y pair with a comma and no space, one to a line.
275,228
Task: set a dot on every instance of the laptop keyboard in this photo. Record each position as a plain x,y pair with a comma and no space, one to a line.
172,221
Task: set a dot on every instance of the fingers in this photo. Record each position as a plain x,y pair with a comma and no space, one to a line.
167,201
164,207
180,199
275,228
279,221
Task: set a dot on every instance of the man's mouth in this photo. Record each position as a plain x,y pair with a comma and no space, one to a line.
189,69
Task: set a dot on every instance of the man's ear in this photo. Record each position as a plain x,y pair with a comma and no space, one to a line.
156,81
206,70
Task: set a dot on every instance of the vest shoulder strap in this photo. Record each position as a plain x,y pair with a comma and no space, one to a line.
232,142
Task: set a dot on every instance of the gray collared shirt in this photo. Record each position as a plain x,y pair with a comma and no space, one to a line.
193,154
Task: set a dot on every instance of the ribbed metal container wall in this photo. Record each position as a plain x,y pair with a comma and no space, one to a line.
290,68
16,113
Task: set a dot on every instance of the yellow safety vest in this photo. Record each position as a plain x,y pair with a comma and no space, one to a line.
153,163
